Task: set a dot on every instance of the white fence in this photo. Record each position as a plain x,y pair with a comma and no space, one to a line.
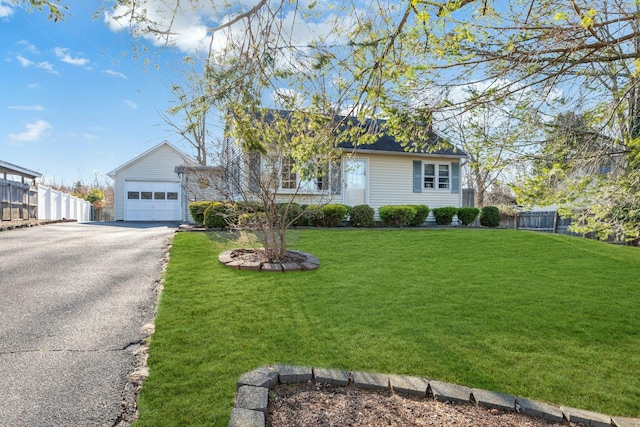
55,205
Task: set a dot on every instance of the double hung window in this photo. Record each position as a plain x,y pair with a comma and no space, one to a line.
436,176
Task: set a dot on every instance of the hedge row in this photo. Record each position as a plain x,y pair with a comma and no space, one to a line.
224,214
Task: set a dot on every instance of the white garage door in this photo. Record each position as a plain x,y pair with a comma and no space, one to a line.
152,201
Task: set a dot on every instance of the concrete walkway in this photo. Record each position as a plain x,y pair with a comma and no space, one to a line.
74,301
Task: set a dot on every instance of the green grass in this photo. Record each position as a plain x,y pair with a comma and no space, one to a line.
547,317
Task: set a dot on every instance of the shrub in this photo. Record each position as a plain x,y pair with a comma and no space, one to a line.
215,216
291,213
445,215
362,216
333,215
419,216
250,220
490,216
197,210
249,207
396,216
313,215
468,215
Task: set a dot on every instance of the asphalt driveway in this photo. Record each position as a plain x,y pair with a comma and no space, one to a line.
74,302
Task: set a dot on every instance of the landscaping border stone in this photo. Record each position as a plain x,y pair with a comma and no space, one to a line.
303,262
252,395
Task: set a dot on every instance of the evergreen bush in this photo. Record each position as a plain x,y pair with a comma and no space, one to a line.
362,216
445,215
333,215
215,215
420,215
490,216
468,215
396,216
197,210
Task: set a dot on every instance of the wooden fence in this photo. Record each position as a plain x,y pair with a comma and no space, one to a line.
544,221
17,201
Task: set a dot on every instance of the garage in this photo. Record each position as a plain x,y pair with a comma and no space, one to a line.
147,187
152,201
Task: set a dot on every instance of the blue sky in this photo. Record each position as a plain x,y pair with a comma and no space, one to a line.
74,103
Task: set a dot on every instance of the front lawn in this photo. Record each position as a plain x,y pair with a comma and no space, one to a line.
548,317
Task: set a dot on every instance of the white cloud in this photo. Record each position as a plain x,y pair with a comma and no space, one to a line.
29,47
23,61
48,67
66,57
5,9
33,85
188,28
33,132
114,74
131,104
26,107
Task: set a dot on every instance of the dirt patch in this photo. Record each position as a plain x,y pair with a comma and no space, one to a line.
322,405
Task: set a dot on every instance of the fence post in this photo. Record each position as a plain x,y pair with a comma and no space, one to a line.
555,222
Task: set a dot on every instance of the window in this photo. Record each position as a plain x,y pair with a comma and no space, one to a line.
429,176
133,195
146,195
443,177
159,195
289,177
172,195
436,176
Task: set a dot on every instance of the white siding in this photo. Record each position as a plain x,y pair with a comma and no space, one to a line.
157,165
391,183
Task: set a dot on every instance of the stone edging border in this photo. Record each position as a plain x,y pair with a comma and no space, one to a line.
307,262
252,396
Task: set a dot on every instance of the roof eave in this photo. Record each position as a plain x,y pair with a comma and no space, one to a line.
18,170
404,153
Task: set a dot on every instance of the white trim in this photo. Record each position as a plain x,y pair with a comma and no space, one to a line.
436,177
343,182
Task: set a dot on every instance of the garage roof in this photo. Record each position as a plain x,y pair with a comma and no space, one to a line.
114,172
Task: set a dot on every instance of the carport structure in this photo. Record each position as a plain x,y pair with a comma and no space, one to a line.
18,196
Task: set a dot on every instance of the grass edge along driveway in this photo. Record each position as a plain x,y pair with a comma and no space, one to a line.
548,317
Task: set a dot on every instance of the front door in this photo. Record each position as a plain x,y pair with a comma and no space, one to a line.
355,182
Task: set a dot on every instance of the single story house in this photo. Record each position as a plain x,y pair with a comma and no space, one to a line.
159,184
379,173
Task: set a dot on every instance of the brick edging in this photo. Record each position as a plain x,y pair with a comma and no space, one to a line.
252,395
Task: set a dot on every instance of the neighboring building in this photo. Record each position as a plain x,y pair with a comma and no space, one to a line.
147,188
